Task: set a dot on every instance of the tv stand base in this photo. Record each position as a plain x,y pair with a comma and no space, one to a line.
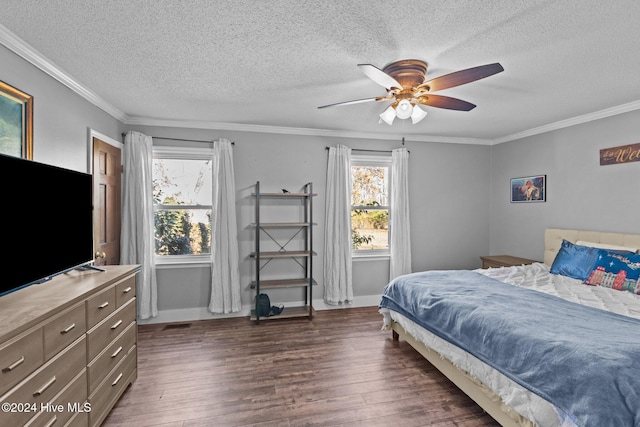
91,267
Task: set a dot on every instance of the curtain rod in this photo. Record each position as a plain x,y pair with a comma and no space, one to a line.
370,150
181,139
374,151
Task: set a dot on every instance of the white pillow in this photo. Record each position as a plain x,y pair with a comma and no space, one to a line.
606,246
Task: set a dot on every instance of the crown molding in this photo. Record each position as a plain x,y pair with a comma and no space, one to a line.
193,124
585,118
25,51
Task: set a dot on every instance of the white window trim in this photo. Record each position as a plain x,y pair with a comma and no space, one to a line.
181,261
369,160
188,153
370,257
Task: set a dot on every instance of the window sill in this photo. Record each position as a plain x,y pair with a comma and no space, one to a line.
370,257
183,262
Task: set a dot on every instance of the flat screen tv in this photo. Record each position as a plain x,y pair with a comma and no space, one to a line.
46,219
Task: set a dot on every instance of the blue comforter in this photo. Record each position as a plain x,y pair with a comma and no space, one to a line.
583,360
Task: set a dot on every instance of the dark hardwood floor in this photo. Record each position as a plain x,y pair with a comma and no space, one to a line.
337,370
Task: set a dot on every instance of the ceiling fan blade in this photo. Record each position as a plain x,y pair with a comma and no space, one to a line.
356,101
462,77
379,76
446,102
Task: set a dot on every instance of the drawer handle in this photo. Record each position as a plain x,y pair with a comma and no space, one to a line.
52,422
118,323
68,329
44,387
14,365
126,291
103,305
117,379
116,352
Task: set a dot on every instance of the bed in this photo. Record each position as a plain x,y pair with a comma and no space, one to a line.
547,387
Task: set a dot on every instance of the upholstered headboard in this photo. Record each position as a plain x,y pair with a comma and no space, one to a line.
553,239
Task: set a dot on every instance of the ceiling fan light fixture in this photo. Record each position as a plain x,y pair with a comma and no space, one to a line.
388,115
417,114
408,88
404,109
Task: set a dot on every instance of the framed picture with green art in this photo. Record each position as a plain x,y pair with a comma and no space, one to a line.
16,122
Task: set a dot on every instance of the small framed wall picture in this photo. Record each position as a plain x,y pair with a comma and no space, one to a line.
16,122
529,189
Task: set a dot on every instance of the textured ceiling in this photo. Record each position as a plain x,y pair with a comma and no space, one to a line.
270,64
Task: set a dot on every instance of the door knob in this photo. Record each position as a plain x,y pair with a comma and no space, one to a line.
101,255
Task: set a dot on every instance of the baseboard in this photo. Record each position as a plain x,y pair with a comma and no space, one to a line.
202,313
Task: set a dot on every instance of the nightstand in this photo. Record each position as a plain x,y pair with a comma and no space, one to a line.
495,261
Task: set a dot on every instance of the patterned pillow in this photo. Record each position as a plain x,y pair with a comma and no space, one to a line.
616,270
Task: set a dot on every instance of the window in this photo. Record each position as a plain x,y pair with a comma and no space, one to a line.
182,204
370,204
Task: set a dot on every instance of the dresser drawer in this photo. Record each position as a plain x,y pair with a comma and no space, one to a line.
19,358
112,355
41,386
70,401
64,329
112,387
100,306
101,336
125,291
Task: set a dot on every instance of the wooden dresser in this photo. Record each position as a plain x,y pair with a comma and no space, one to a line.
68,348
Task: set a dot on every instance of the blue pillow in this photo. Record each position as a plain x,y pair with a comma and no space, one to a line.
574,260
616,270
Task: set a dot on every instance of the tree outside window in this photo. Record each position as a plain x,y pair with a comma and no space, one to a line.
182,207
370,204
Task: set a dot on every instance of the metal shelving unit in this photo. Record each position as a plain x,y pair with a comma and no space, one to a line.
304,257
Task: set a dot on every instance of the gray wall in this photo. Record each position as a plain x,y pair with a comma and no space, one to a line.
61,117
449,208
581,194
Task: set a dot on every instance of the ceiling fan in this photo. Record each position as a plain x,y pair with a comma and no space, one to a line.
407,89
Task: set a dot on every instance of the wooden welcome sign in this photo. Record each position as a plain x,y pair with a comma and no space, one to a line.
622,154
